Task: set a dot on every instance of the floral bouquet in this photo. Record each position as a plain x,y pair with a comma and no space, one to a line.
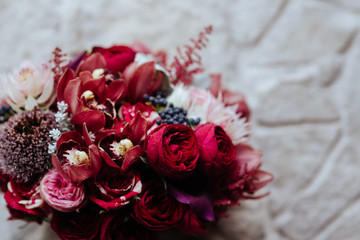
117,144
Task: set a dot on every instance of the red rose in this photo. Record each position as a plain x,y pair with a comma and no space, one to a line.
24,201
192,224
112,190
76,225
116,57
172,150
216,149
115,226
157,209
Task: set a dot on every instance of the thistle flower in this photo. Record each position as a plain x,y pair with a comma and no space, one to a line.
29,86
24,145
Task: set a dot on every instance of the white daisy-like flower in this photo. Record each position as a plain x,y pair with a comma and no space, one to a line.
201,103
29,86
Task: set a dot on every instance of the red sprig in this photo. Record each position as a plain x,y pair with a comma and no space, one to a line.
58,64
188,62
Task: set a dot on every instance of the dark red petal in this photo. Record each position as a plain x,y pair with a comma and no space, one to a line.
136,129
131,157
140,81
95,159
65,78
70,136
95,61
71,94
108,160
116,90
94,119
78,173
57,165
86,135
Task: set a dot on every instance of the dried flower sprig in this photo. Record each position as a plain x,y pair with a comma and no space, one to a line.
188,62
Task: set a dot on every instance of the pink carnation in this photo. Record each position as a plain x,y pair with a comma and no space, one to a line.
60,193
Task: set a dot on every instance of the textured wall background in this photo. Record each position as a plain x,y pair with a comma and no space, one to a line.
298,63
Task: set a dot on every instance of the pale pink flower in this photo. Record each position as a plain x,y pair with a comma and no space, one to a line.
60,193
201,103
29,86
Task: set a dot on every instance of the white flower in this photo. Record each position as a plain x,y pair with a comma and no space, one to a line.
29,86
201,103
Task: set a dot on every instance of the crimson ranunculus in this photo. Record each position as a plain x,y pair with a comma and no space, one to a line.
77,225
156,209
116,57
112,190
24,201
172,150
217,151
115,226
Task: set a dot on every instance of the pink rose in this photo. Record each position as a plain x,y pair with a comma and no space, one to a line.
217,151
60,193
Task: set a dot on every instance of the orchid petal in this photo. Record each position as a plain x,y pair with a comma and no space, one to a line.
30,103
94,119
131,157
201,205
65,78
95,61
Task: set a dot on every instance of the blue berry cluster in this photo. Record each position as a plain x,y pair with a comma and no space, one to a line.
5,112
176,115
158,100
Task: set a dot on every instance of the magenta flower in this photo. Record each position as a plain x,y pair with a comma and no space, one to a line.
60,193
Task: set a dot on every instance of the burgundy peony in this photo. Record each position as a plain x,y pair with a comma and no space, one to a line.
112,190
115,226
156,209
172,150
217,151
77,225
60,193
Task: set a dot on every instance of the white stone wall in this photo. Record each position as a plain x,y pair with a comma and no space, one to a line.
298,63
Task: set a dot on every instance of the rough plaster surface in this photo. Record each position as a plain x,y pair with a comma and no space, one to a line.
298,63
